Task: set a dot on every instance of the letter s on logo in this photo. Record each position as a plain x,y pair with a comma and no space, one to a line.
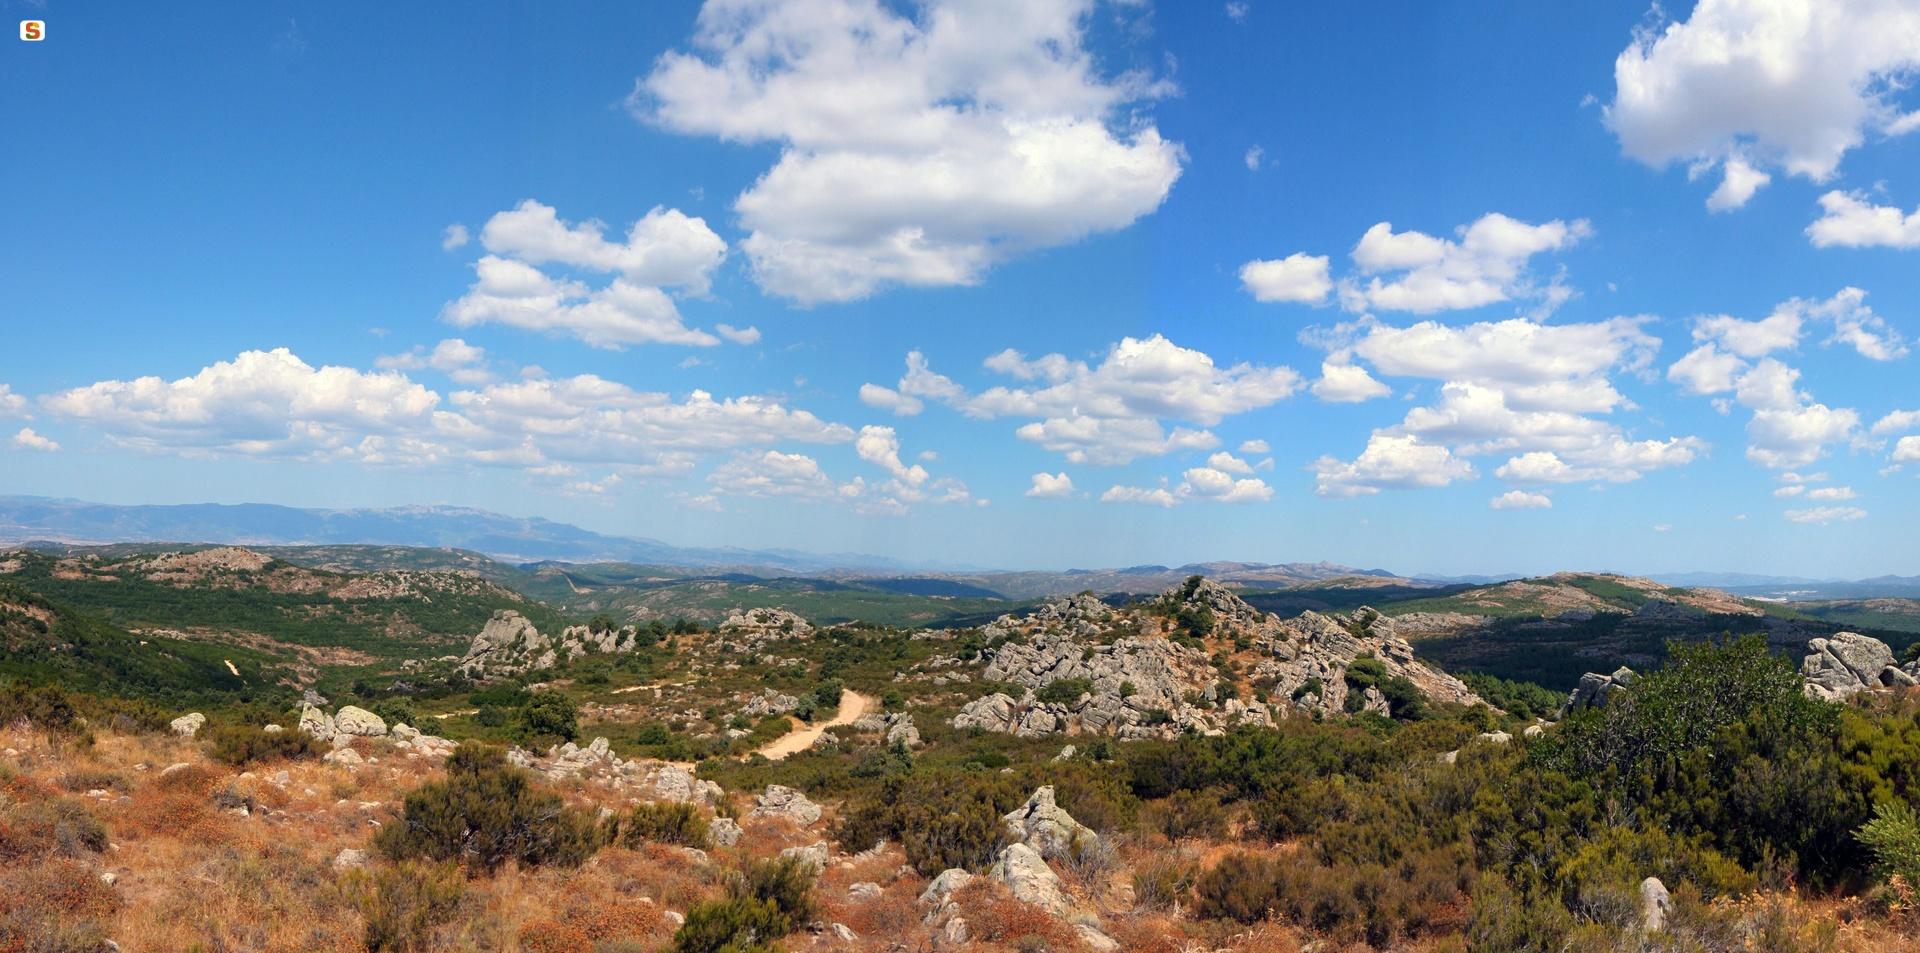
31,29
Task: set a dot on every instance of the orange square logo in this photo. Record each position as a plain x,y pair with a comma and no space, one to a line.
33,31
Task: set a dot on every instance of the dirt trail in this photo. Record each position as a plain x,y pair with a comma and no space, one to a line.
853,706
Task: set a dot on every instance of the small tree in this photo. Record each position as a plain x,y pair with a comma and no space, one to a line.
1894,837
665,822
486,813
549,715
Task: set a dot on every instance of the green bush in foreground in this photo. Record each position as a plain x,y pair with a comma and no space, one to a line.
242,745
665,822
767,901
486,813
404,905
1894,837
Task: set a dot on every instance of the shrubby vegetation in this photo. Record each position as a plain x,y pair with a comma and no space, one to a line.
485,813
241,745
665,822
767,901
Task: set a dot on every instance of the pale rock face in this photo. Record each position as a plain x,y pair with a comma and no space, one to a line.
1028,877
901,732
1091,937
814,854
751,628
317,723
509,644
402,731
945,885
781,801
187,725
723,832
1655,903
769,702
359,722
1146,686
349,858
1849,663
864,891
1594,689
1046,827
343,756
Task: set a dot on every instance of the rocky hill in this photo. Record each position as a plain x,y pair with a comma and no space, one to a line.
1198,658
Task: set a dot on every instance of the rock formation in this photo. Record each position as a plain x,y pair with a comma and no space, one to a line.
1046,827
1146,675
749,629
509,644
1848,663
781,801
1029,879
1594,688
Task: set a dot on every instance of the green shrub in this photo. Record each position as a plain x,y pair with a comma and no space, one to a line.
547,717
730,925
665,822
783,883
1239,887
485,813
765,902
827,696
941,818
1894,837
242,745
1190,814
1064,691
404,905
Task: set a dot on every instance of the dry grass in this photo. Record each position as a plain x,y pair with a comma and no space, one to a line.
190,872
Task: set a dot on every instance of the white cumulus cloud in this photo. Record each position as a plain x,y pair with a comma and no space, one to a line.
1850,220
1347,384
665,249
1108,412
917,147
1299,278
1823,515
1521,500
27,439
1389,462
1051,486
1747,85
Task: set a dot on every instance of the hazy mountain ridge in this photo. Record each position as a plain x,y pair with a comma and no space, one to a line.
513,539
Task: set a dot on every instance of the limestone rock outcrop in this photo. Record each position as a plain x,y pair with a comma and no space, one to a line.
358,722
1029,879
1046,827
782,801
1142,673
1594,689
510,644
1315,650
749,629
1848,663
187,725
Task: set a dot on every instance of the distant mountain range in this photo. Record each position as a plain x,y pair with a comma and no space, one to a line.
26,519
30,519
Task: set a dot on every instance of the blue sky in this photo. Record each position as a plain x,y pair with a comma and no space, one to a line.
1544,287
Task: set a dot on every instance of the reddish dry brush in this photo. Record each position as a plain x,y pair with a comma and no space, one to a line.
994,916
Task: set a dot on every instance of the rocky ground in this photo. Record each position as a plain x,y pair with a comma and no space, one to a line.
1144,675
